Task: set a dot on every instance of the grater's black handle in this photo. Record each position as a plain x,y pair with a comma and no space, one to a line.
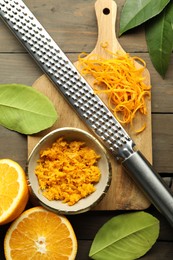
150,183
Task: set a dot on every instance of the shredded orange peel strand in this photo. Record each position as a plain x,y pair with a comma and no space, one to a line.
122,82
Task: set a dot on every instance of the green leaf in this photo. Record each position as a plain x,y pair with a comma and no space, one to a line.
159,37
136,12
24,109
127,236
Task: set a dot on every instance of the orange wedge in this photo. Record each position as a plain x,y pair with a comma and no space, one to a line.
39,234
13,190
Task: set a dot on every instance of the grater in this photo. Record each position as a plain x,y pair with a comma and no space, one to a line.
90,108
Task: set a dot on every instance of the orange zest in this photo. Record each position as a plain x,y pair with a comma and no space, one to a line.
121,81
67,171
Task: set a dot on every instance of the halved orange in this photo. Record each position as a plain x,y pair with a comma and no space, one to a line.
39,234
14,192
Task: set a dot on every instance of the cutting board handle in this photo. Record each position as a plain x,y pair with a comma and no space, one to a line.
106,12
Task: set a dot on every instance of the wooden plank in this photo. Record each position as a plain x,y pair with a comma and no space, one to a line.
13,145
160,251
79,222
162,142
72,24
86,227
16,67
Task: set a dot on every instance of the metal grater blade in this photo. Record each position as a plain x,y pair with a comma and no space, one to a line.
65,77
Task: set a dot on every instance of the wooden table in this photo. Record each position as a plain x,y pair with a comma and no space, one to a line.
72,24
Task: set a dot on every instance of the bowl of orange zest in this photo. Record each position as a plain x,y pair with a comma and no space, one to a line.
69,171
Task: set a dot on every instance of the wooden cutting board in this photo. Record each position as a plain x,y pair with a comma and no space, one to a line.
123,194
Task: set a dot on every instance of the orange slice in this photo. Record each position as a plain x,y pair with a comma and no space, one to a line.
13,190
39,234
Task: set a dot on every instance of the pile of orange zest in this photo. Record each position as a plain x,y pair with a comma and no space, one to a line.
121,81
68,171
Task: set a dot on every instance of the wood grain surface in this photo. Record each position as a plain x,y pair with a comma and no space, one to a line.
123,193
